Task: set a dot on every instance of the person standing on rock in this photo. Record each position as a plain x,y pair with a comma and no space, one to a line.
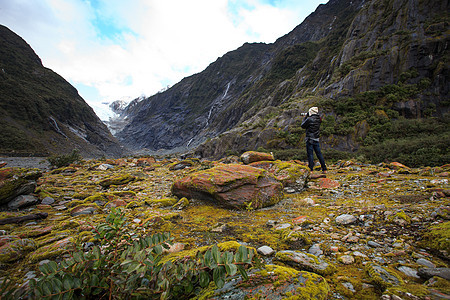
311,122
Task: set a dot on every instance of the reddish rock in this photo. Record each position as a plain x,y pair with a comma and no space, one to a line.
317,175
116,203
37,232
326,183
5,239
443,174
232,186
253,156
83,210
43,206
397,165
145,161
300,219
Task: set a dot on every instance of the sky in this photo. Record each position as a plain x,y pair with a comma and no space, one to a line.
124,49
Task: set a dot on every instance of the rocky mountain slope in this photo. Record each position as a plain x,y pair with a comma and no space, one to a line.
363,232
41,113
368,64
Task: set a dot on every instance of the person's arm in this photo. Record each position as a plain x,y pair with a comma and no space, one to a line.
305,122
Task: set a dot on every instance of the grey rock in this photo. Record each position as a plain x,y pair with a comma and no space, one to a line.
425,262
83,211
265,250
374,244
345,219
431,272
22,201
315,250
48,201
349,286
387,275
379,259
104,167
359,254
347,259
408,271
283,226
305,261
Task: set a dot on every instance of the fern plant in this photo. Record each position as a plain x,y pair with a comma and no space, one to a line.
125,265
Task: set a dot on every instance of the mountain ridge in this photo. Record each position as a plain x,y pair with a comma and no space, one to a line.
394,53
41,113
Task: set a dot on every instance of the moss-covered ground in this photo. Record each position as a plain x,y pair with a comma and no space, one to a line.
404,211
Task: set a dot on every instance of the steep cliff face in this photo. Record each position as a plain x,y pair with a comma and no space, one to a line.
382,61
392,52
40,112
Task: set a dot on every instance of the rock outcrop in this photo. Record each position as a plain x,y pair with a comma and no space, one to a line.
232,186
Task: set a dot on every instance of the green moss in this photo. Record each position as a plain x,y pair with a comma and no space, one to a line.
134,204
382,277
161,202
437,237
9,187
294,236
117,180
95,205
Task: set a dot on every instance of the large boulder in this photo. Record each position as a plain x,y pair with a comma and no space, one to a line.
232,186
16,181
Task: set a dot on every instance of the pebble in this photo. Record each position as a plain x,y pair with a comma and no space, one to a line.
349,286
283,226
359,254
48,201
345,219
265,250
373,244
347,259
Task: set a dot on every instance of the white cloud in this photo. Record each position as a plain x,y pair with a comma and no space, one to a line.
156,42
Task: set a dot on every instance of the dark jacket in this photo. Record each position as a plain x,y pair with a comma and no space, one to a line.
312,126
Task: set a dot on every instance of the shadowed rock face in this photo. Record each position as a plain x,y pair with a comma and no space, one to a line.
232,186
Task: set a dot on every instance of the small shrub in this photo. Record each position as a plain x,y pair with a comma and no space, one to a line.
124,265
64,160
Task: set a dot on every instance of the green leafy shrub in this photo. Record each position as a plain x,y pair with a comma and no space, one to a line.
64,160
124,265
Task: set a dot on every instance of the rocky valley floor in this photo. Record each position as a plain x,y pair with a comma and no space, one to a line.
371,231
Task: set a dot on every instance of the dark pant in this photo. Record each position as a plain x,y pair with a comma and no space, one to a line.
314,146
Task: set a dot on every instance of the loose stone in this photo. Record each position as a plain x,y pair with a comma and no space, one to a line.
265,250
345,219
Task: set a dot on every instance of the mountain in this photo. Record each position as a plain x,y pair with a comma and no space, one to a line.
41,113
379,70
